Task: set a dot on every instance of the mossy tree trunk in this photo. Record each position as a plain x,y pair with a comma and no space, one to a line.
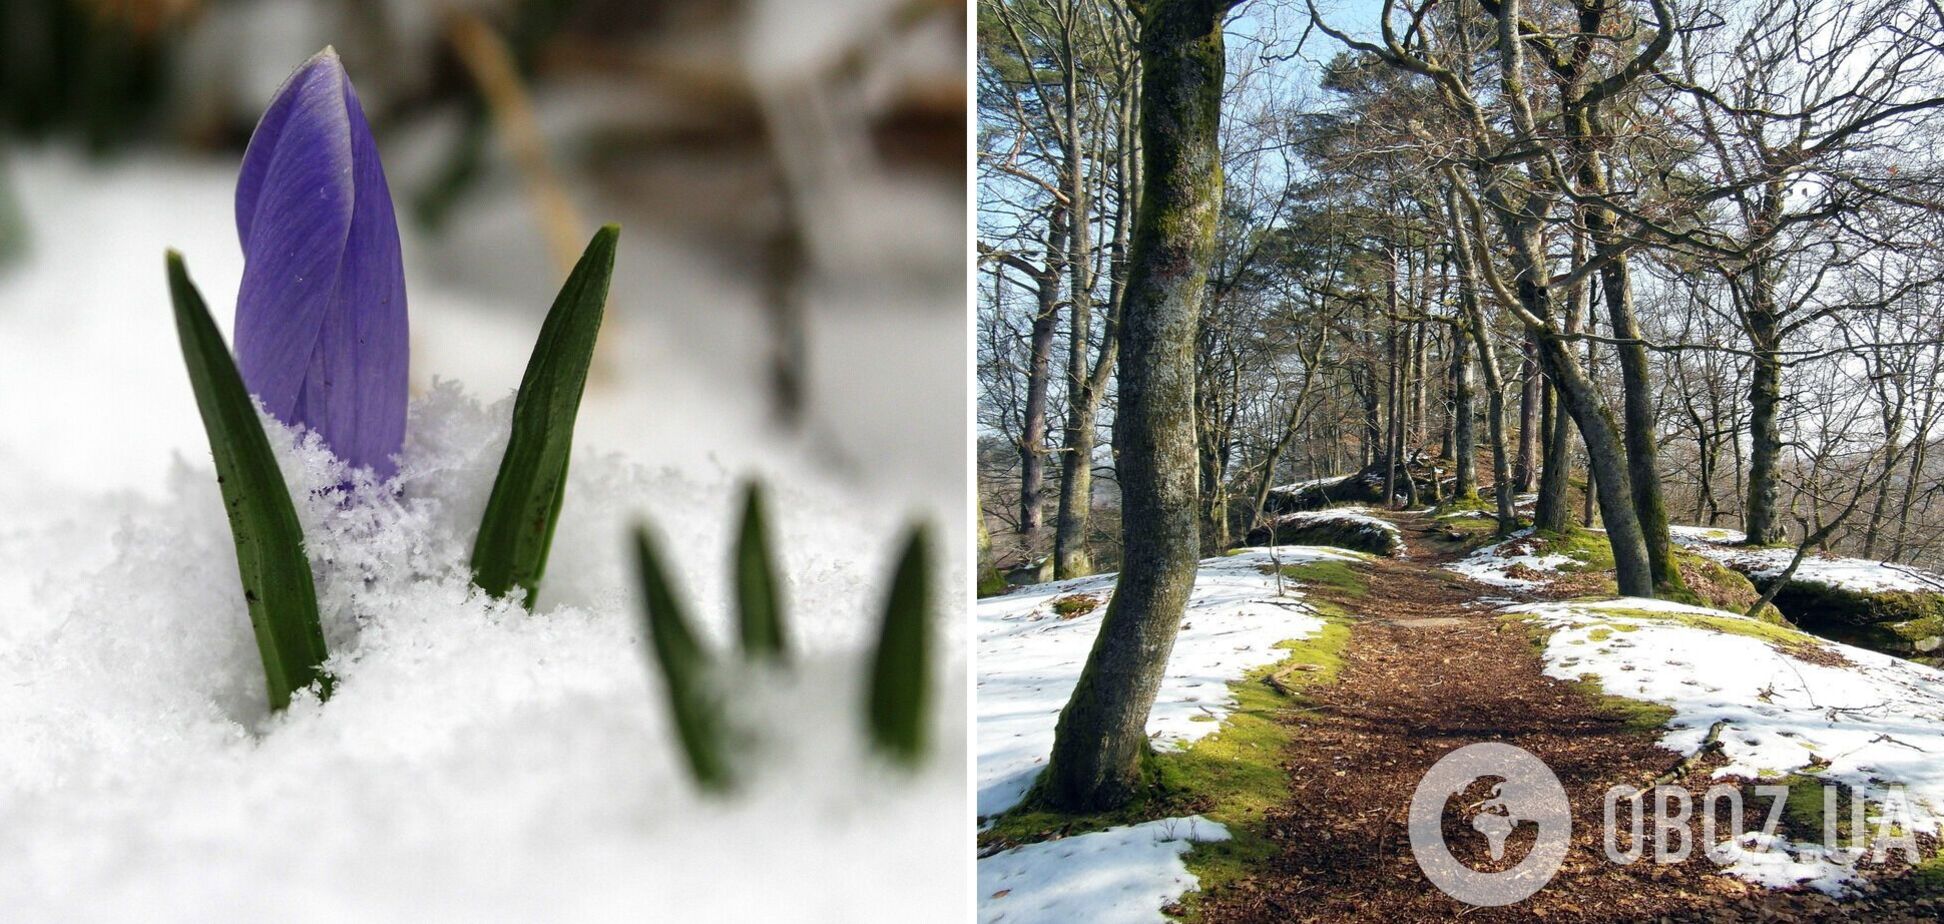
1475,327
1033,447
1525,472
1760,521
1636,373
1463,443
1100,740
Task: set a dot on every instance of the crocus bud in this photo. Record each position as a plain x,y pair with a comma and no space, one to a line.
320,315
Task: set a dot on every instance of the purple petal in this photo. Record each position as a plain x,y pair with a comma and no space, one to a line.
321,332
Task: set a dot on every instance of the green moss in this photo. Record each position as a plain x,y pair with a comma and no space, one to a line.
991,582
1588,550
1782,636
1802,810
1929,876
1340,578
1239,771
1473,502
1711,584
1637,716
1234,776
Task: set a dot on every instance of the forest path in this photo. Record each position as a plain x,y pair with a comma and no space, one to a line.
1431,667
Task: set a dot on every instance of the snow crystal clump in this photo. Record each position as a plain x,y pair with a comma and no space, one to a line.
476,762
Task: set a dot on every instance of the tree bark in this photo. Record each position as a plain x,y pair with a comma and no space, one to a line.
1760,520
1463,443
1526,470
1503,488
1636,384
1100,739
1039,372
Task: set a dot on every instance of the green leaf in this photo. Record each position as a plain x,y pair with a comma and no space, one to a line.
759,611
269,540
900,681
685,667
518,528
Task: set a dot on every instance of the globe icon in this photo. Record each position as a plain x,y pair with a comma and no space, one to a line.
1527,792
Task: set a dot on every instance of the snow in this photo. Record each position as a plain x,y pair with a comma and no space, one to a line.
1029,659
1122,875
1298,486
1361,517
1857,574
476,762
1493,564
1877,719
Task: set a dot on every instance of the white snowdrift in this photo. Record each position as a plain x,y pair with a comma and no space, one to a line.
1493,564
476,762
1123,875
1878,719
1857,574
1029,659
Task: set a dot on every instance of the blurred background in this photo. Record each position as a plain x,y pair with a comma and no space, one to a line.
789,175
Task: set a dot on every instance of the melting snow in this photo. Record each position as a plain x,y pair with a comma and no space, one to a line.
1029,659
1858,574
1878,718
1493,564
1123,875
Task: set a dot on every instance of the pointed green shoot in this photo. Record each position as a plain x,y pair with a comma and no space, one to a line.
900,681
685,666
518,528
759,611
277,584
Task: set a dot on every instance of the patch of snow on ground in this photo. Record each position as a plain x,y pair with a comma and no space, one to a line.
1858,574
1122,875
1877,718
1694,535
1029,659
1493,564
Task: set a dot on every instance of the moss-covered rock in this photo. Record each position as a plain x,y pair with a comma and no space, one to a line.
1344,531
1713,584
1905,623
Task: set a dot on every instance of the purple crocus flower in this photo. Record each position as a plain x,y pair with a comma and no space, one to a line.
320,316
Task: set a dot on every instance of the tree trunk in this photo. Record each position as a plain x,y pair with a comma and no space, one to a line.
1503,488
1526,470
1463,444
1760,519
1039,374
1555,469
1636,383
1606,456
1100,740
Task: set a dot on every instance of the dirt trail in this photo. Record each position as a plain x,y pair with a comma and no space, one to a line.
1430,668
